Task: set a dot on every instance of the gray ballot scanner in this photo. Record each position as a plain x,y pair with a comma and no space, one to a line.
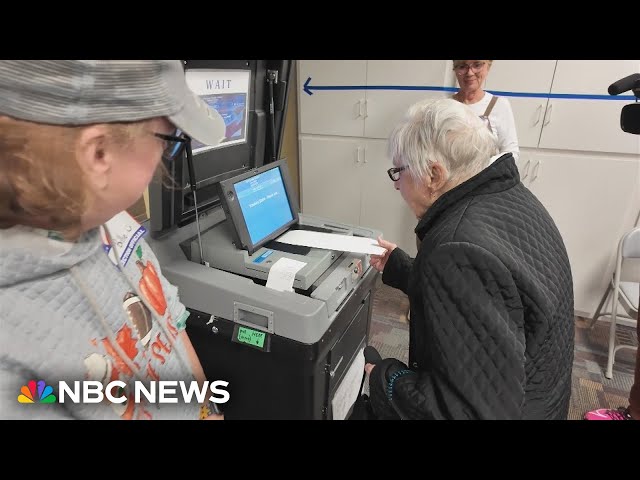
286,354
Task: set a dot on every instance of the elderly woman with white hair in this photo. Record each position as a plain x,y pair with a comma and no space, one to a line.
490,289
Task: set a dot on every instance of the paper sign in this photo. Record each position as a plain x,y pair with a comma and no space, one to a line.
349,389
283,273
332,241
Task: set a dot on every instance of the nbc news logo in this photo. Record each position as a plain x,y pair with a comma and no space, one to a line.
91,391
36,392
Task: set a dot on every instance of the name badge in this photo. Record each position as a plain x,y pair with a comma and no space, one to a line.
125,233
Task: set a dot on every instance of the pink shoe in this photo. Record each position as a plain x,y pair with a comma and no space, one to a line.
608,414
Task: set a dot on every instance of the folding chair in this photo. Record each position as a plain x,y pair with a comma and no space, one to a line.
622,293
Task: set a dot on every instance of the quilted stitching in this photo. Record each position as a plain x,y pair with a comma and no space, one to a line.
502,354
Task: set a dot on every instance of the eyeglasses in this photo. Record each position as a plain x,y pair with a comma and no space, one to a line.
464,68
173,144
394,172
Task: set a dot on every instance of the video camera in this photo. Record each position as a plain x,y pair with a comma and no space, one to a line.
630,116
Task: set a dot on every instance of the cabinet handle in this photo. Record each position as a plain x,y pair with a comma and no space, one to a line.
538,112
358,153
366,108
361,107
547,115
526,170
364,150
358,108
535,170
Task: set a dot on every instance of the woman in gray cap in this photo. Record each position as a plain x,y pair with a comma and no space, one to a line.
79,143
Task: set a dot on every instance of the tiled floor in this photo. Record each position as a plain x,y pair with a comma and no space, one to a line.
389,333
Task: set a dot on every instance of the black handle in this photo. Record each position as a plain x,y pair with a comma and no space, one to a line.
192,173
630,82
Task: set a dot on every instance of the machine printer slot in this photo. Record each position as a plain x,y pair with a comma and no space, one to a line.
253,316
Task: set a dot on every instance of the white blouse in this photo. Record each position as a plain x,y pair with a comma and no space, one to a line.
502,123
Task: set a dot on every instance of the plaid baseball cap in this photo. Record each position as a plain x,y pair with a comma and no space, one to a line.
82,92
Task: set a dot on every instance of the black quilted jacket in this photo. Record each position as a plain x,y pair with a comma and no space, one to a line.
492,327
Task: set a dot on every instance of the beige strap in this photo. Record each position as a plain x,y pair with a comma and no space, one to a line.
485,115
490,107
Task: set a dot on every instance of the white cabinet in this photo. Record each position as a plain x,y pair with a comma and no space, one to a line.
593,199
346,180
588,125
385,107
332,112
330,177
524,76
566,123
359,98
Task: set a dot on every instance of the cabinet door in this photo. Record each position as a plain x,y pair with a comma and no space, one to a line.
387,105
593,199
588,125
329,177
523,76
382,206
332,112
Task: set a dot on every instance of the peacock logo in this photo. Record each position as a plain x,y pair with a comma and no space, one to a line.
36,392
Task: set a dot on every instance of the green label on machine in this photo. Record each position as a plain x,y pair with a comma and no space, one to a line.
252,337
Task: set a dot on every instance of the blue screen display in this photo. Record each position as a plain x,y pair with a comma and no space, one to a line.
264,203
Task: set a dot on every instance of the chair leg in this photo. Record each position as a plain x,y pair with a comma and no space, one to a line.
599,309
612,335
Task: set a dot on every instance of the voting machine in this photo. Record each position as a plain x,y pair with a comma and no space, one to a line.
284,324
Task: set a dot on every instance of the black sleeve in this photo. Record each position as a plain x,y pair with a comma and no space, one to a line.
396,271
473,315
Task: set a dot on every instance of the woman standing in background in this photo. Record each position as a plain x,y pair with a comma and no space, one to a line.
494,111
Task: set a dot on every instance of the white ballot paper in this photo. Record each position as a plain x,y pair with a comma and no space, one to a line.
349,389
283,273
332,241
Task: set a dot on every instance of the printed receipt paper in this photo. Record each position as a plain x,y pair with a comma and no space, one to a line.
332,241
283,273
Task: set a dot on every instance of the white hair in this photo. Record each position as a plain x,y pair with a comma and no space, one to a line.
443,131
